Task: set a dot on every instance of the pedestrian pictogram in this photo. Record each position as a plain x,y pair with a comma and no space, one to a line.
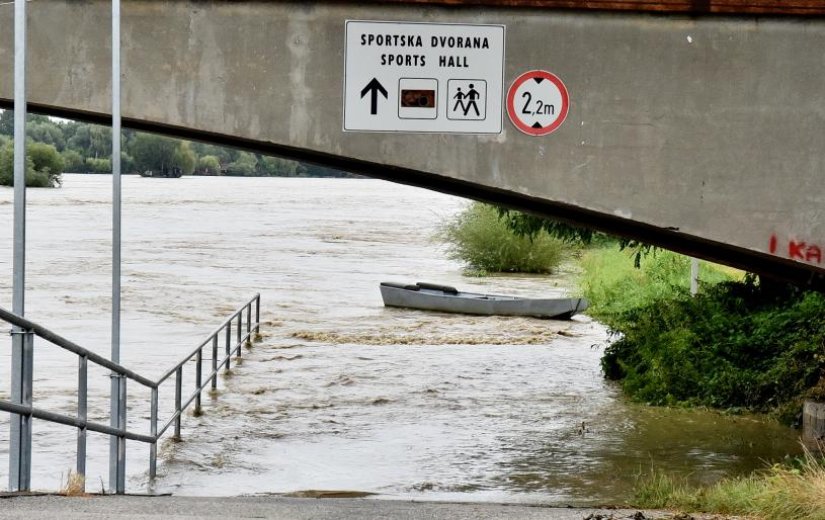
373,88
537,102
467,99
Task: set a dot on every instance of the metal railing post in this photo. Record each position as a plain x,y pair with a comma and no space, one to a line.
215,361
258,314
121,439
249,323
153,431
20,449
239,333
20,405
229,345
82,410
198,380
178,388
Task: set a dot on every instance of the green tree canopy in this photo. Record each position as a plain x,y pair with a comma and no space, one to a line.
45,158
153,152
209,165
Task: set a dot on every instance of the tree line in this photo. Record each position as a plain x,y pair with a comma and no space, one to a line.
57,146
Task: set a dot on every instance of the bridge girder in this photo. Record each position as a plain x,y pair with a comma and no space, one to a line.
703,135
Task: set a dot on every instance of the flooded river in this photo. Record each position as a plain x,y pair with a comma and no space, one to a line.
342,393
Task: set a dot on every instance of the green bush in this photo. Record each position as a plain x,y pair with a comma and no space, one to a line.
34,179
98,165
73,162
736,345
480,238
209,165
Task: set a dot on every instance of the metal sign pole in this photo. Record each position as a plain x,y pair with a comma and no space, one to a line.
22,353
117,446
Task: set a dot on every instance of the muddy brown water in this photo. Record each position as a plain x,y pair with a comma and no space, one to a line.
342,394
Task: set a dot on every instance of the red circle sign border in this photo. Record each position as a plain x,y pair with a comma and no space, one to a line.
511,95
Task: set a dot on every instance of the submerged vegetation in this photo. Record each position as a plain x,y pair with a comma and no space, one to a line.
43,165
738,344
480,238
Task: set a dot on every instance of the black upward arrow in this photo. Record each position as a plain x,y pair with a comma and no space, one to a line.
375,87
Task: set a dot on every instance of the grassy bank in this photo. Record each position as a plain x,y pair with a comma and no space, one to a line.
737,345
794,491
615,285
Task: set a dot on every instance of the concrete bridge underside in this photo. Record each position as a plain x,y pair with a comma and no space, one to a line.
704,134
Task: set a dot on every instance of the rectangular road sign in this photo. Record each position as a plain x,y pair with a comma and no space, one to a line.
423,77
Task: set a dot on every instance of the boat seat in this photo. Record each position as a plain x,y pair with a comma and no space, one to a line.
435,287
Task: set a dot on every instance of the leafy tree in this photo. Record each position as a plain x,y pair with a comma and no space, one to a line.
277,167
209,165
245,166
73,162
7,122
531,225
101,141
185,158
46,160
153,152
224,155
127,163
46,132
34,178
79,138
98,165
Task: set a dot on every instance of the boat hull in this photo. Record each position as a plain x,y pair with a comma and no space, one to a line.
447,299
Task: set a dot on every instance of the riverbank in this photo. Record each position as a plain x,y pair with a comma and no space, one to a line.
738,345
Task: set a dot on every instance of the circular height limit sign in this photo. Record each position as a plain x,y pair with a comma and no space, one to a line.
537,102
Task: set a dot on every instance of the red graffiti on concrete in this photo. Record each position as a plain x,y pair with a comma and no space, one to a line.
797,250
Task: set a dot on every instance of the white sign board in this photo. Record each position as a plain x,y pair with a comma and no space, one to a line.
423,77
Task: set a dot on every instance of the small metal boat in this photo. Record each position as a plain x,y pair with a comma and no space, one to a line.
443,298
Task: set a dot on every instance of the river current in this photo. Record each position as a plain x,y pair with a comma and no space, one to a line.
341,393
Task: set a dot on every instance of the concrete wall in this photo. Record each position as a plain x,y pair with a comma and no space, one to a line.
706,135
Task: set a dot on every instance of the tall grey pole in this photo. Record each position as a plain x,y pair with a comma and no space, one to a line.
117,446
22,346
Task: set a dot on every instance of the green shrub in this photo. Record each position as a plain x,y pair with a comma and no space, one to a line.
98,165
736,345
480,238
73,162
34,178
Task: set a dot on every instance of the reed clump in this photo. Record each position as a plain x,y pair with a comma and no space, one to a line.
75,485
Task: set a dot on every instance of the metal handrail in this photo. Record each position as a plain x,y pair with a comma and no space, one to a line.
85,356
65,344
